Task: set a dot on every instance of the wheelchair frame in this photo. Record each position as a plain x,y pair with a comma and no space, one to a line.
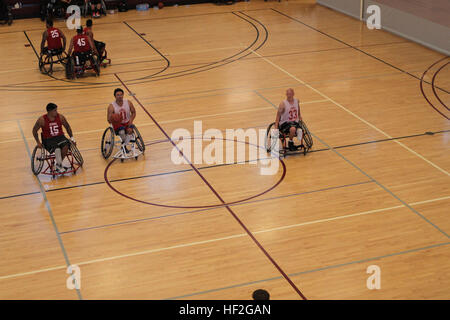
44,157
47,59
73,71
307,138
109,142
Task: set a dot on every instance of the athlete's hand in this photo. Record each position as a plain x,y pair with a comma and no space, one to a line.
39,145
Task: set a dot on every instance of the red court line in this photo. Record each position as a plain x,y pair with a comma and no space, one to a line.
434,88
217,195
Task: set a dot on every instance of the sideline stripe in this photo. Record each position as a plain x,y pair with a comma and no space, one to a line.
50,212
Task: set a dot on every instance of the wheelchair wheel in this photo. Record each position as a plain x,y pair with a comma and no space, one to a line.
270,141
70,68
139,141
37,160
76,154
307,138
107,142
46,64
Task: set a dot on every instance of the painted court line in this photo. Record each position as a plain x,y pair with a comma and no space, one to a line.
215,240
50,212
309,271
351,113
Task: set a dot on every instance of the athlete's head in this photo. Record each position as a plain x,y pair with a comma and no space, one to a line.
79,30
52,109
89,23
290,93
49,23
118,94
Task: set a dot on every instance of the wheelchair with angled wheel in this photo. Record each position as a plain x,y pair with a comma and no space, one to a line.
124,150
274,136
44,162
80,62
49,57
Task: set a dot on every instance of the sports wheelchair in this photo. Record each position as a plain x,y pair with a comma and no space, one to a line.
75,70
271,140
41,156
50,57
110,139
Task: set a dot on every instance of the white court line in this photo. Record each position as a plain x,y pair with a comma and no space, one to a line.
215,240
172,121
350,112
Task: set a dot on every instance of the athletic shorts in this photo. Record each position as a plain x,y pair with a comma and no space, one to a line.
286,126
122,126
51,144
99,45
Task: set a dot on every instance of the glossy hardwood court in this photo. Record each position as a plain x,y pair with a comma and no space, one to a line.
375,190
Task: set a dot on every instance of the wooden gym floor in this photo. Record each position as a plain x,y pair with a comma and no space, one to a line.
374,191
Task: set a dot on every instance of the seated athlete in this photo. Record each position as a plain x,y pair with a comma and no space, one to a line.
100,46
53,139
81,44
288,117
96,6
55,38
127,112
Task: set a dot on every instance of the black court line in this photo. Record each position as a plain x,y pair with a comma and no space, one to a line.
211,209
249,233
222,165
353,47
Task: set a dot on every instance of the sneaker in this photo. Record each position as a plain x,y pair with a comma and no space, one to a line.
60,169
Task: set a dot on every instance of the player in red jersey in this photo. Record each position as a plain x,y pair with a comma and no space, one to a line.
56,40
81,44
127,112
53,139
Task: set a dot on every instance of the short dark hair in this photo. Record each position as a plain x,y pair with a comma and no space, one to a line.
79,30
49,22
89,23
117,90
51,106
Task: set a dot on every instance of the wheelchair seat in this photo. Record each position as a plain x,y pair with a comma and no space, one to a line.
41,156
271,140
110,140
49,57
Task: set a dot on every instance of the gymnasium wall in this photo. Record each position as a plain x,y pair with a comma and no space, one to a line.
424,21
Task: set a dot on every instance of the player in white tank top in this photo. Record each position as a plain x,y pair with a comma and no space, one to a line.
288,117
127,111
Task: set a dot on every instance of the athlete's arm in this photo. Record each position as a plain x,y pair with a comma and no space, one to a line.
91,43
69,52
299,114
39,123
64,39
44,38
66,125
279,112
132,111
109,113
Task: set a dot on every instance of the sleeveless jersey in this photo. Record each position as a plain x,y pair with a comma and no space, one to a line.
54,38
81,43
123,110
290,112
87,30
52,128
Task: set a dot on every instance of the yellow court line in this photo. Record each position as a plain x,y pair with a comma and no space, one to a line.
353,114
215,240
172,121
